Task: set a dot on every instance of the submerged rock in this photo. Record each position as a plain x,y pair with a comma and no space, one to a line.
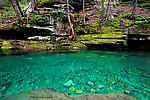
3,88
145,86
90,83
78,91
68,83
126,92
144,75
50,94
101,86
139,96
71,90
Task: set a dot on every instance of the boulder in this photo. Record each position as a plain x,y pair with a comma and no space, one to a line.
51,94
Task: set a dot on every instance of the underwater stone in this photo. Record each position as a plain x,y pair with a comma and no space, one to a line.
92,78
136,86
71,90
92,90
126,91
145,86
68,83
144,75
47,81
78,91
90,83
16,85
147,90
135,90
101,86
3,88
139,96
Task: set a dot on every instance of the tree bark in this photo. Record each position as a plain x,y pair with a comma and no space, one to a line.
12,4
19,8
84,11
36,4
103,11
71,26
132,15
16,10
108,10
32,5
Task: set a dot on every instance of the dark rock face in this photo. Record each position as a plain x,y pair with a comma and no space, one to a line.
51,94
20,34
138,42
106,46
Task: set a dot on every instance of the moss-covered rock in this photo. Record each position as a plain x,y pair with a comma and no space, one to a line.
72,44
6,45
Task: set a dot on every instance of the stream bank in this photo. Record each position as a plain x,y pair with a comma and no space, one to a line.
50,30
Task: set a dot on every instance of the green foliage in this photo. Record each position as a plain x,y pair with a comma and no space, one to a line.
95,24
145,5
106,35
140,18
86,9
22,5
7,51
106,30
6,45
127,24
115,23
45,1
139,22
124,16
101,41
5,3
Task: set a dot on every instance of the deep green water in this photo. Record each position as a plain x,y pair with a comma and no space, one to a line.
89,71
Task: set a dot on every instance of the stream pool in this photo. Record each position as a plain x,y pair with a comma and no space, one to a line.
78,72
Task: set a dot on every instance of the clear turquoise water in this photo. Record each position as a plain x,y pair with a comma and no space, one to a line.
89,71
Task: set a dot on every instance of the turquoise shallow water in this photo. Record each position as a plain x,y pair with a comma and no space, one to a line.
90,71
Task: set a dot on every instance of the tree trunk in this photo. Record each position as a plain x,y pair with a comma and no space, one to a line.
108,10
12,4
16,10
103,11
32,5
19,8
132,15
84,11
36,4
71,26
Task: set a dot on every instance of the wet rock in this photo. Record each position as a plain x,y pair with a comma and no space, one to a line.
145,86
47,82
92,90
144,75
140,96
137,86
71,90
147,90
0,94
75,79
90,83
135,90
50,94
3,88
78,91
68,83
126,92
101,86
92,78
